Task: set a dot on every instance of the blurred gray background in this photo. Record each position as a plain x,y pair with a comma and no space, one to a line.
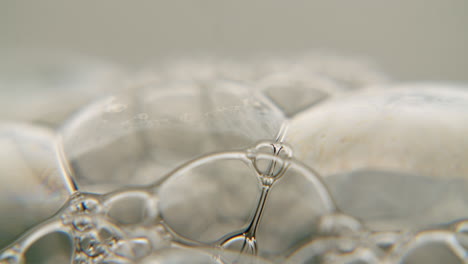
410,40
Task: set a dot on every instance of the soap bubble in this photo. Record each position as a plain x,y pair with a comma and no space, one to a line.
281,162
371,142
179,124
221,200
32,187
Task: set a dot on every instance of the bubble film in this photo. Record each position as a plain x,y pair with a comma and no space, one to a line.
315,160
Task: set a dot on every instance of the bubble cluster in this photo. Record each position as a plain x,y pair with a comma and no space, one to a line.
205,169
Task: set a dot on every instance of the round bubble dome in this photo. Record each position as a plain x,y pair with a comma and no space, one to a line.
318,159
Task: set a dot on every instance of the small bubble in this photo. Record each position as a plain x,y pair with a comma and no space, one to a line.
105,234
268,181
339,224
270,168
160,229
123,249
67,218
91,246
109,238
83,223
386,240
84,205
162,232
346,245
141,247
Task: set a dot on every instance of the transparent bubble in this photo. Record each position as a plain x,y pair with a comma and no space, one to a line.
354,131
223,200
32,180
371,142
430,246
221,190
281,162
160,129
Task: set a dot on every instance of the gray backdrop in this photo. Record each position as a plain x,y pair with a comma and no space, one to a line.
409,39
